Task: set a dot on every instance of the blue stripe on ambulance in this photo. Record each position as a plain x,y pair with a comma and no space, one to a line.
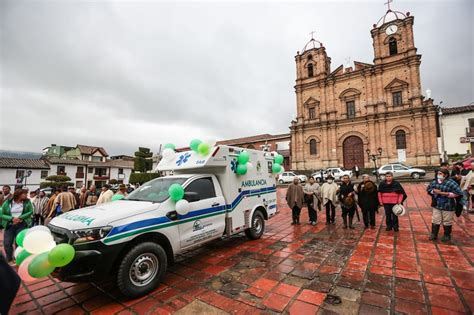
157,223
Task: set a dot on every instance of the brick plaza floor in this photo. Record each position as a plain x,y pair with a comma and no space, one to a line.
291,270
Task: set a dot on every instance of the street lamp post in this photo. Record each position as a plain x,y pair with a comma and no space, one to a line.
28,174
374,158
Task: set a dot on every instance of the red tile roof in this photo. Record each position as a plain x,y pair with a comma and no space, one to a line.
86,149
257,138
457,110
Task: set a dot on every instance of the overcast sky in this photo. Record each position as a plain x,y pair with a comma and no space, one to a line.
127,74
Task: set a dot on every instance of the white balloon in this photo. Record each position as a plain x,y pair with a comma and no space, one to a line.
168,154
38,242
282,170
38,228
249,166
182,207
18,250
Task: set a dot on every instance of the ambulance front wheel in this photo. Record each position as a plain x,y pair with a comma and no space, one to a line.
257,226
141,269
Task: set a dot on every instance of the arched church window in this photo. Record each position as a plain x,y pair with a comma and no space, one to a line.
401,139
310,70
310,57
392,46
312,147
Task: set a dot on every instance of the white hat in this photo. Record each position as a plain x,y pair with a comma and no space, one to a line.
398,210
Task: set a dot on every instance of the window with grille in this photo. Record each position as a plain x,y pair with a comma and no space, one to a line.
311,113
312,147
397,98
400,139
351,112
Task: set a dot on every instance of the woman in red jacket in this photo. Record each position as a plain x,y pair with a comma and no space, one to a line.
390,194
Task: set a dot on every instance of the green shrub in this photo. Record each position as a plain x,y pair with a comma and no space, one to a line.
56,181
113,181
142,177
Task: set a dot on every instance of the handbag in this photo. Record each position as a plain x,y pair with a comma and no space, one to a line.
458,206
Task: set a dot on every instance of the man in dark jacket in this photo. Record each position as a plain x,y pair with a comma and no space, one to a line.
347,198
444,190
368,200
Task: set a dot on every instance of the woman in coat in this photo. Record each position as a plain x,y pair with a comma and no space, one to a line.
312,193
16,215
368,200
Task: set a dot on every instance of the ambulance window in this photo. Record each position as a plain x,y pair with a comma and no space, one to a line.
204,187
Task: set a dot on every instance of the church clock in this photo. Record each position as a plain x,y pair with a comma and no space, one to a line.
391,29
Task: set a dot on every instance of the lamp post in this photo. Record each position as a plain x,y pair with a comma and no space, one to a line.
374,158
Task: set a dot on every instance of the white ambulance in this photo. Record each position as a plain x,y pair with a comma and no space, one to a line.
134,239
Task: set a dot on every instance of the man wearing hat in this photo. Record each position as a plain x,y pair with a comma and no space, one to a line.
391,193
444,190
105,195
347,199
329,196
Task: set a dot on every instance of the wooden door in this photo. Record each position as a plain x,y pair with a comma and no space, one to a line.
353,151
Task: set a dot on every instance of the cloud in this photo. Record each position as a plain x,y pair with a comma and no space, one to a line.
123,74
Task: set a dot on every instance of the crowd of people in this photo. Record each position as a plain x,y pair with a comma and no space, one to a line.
451,191
21,209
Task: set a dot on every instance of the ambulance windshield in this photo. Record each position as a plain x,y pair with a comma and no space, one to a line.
155,190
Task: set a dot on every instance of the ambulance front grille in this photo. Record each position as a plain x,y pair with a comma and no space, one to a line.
60,235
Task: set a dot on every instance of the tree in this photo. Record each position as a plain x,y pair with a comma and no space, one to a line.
113,181
143,161
56,181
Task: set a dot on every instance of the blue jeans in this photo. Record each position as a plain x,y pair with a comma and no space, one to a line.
9,236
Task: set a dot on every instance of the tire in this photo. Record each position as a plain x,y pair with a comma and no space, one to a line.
257,226
415,175
149,256
281,181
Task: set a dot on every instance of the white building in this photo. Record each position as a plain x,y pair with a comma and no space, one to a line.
22,169
457,130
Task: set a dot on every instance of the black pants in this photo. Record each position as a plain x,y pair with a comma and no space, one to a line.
348,211
313,215
390,218
9,284
38,219
330,212
296,213
368,214
9,236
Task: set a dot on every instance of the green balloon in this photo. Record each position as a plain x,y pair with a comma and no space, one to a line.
176,192
20,237
117,197
276,168
203,149
279,159
243,157
40,267
241,169
61,255
195,144
21,256
169,146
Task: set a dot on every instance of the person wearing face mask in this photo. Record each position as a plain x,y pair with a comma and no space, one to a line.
347,199
391,193
295,200
444,190
311,196
368,200
329,192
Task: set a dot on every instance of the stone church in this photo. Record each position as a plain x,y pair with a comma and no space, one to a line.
346,114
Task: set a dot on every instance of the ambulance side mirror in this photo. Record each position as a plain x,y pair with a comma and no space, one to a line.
191,196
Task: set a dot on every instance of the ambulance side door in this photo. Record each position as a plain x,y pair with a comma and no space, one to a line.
206,217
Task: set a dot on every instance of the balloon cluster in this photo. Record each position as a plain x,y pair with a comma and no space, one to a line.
169,152
176,192
202,148
243,164
277,161
37,254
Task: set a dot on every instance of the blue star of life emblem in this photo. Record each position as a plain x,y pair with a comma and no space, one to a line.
183,158
233,165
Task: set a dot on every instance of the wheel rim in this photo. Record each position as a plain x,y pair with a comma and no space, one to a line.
144,269
416,176
257,224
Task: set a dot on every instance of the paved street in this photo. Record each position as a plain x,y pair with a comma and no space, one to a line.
291,269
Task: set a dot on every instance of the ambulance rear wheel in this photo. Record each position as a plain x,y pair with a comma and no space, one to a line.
141,269
257,226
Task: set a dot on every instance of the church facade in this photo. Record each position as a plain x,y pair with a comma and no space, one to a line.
347,114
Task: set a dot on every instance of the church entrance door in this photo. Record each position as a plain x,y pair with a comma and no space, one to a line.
353,152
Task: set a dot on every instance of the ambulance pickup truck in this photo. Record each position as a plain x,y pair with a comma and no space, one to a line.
136,238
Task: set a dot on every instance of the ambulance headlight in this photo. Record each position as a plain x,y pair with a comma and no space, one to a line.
90,235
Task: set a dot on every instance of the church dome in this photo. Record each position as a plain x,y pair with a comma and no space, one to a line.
312,44
391,16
